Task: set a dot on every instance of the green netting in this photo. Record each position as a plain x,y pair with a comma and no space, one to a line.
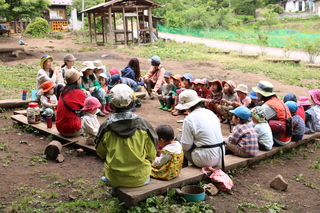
276,38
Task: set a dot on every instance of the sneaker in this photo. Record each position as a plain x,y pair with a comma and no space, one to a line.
101,114
104,179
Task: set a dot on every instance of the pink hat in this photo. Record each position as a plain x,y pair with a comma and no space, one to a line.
230,83
303,101
113,71
315,94
91,104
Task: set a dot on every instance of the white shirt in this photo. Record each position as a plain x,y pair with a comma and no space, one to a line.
45,102
317,120
42,77
165,157
264,134
202,127
90,125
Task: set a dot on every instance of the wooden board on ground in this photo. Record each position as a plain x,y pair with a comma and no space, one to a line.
140,94
219,52
248,56
13,103
130,196
277,60
313,65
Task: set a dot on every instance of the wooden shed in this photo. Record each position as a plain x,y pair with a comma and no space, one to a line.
123,21
57,14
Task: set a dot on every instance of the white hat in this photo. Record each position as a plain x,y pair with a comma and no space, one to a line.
188,99
121,95
98,64
242,88
87,65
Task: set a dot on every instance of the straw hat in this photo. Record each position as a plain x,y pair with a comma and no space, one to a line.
87,65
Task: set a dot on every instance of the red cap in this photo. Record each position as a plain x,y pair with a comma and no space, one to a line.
24,90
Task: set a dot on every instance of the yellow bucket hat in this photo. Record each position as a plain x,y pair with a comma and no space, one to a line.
43,59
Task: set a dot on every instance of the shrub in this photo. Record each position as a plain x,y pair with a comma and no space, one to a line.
276,8
39,27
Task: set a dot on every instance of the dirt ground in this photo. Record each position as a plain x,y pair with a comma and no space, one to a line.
20,151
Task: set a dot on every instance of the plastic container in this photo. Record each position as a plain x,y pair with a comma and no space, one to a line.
33,95
193,193
33,113
24,94
49,122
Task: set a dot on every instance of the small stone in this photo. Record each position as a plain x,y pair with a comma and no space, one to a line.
210,189
80,152
279,183
161,197
104,56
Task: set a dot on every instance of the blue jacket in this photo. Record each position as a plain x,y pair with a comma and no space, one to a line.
129,73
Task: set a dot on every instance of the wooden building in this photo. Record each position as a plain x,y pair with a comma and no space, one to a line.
123,21
57,14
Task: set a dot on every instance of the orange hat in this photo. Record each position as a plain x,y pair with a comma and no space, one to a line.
218,82
46,86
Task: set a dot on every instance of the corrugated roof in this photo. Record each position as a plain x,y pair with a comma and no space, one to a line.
106,4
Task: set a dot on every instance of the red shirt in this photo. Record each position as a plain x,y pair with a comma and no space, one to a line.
68,122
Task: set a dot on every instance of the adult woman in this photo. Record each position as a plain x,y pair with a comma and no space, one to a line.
68,63
68,123
91,86
275,110
46,73
201,138
132,70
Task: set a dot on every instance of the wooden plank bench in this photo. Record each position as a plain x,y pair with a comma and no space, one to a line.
313,65
248,55
13,103
277,60
219,52
188,175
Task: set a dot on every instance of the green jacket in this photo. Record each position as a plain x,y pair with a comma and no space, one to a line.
128,143
91,83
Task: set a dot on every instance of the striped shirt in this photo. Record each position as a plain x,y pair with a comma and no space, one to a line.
245,137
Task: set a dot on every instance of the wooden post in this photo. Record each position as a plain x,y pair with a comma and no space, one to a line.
110,26
124,25
95,28
150,25
89,23
104,29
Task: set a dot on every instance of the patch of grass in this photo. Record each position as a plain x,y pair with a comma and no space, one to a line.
299,177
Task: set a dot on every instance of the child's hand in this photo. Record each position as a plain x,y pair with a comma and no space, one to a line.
91,90
223,101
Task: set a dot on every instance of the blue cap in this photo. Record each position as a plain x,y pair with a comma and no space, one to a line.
188,76
242,112
155,59
253,95
289,97
113,80
293,106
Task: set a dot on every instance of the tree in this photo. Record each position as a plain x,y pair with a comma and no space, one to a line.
17,9
271,18
311,48
246,7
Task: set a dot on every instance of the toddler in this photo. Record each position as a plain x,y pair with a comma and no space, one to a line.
197,86
177,84
310,114
243,99
228,96
215,97
166,92
90,123
205,91
103,80
254,100
300,110
169,164
262,128
298,123
243,141
48,99
315,97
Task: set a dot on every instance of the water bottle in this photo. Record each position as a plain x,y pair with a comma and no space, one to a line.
49,122
33,95
24,94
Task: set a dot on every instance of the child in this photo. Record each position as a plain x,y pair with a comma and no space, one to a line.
187,81
243,141
205,91
262,128
315,97
228,96
21,42
310,114
197,86
166,92
297,122
177,84
90,123
169,164
300,110
48,99
243,99
254,100
215,97
103,80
